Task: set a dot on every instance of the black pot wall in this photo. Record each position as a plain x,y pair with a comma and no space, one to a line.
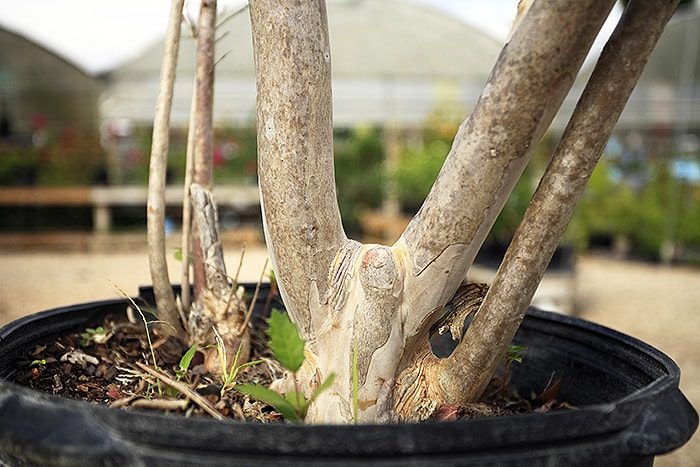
630,409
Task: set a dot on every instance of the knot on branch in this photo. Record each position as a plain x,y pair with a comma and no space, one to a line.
378,268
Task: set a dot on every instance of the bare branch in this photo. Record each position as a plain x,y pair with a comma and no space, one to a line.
165,299
531,78
218,60
203,125
232,15
185,244
468,370
295,149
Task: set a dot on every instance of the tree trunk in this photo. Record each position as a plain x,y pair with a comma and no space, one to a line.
203,123
381,301
217,303
165,299
467,372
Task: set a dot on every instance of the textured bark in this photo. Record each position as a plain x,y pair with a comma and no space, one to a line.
218,304
165,300
203,124
295,149
466,373
531,78
378,301
418,392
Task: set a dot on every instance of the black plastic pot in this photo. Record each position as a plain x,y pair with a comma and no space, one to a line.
630,409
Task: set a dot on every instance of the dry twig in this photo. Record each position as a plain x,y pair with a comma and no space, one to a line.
184,389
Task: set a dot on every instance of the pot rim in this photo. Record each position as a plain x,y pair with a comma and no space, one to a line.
586,422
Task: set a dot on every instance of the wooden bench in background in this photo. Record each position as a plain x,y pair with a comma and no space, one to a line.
103,198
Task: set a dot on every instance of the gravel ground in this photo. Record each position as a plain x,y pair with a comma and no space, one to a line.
656,304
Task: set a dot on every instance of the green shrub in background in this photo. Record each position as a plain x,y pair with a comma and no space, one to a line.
417,170
359,173
18,166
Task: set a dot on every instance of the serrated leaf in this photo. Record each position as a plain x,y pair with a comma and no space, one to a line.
269,396
187,358
285,342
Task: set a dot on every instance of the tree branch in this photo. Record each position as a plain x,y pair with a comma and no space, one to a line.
466,373
162,289
295,147
531,77
530,80
185,244
203,124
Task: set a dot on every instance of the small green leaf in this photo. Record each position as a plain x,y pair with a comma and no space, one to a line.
273,279
285,342
514,353
298,401
41,362
269,396
187,358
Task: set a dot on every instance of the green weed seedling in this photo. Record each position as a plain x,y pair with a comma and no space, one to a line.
97,335
515,354
229,374
185,361
287,346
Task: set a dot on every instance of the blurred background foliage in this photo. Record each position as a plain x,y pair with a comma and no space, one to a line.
632,204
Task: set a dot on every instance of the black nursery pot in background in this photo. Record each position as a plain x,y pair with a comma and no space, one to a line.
629,409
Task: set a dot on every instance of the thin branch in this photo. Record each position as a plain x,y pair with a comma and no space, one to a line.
184,389
223,56
240,265
301,218
221,37
234,280
165,299
469,368
187,208
251,306
233,14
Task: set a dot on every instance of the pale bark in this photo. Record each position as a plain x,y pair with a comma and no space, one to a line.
380,300
217,304
532,76
185,244
165,299
466,373
295,149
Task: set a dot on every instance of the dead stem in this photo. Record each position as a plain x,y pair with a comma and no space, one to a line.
184,389
160,404
251,306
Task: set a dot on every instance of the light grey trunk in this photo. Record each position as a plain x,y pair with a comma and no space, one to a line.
381,301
